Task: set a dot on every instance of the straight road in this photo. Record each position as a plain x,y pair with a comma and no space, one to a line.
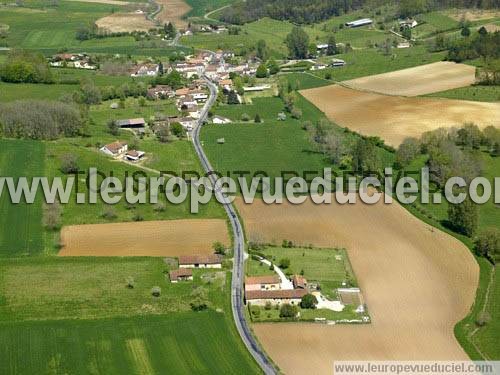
239,246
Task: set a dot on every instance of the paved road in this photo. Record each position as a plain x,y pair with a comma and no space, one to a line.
239,247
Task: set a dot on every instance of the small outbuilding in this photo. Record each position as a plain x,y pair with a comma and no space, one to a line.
181,274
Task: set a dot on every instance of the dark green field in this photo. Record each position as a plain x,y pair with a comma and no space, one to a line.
21,231
180,343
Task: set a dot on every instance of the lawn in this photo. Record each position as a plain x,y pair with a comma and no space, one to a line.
476,93
17,91
328,267
64,288
21,231
180,343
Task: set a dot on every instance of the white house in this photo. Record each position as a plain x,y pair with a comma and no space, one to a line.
116,148
318,67
200,261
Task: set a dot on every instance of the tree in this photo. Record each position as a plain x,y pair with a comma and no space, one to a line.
273,67
130,282
156,291
178,130
297,42
296,113
261,71
487,244
365,157
463,217
289,100
257,119
232,97
90,93
23,66
308,301
284,263
163,133
332,46
407,151
409,8
469,136
406,32
69,164
465,32
219,248
261,50
482,31
288,311
51,215
113,127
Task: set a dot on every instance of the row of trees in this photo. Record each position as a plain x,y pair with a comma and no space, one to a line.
25,67
37,119
481,44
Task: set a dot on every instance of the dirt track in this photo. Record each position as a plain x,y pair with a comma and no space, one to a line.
392,117
148,238
417,282
421,80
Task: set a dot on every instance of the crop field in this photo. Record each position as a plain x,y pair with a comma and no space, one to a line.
173,11
395,118
124,22
404,267
149,238
21,231
421,80
475,93
183,343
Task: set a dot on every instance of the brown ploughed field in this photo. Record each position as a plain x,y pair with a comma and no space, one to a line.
147,238
417,283
420,80
394,118
124,22
172,11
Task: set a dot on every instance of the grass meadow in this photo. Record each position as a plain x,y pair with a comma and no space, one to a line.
21,231
475,93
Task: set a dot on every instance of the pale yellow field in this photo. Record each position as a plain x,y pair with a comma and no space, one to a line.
417,282
112,2
394,118
147,238
124,22
172,11
420,80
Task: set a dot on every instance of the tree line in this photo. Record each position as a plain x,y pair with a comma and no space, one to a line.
23,66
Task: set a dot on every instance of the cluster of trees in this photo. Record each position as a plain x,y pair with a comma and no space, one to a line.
37,119
489,74
90,94
297,11
25,67
482,44
174,79
169,30
298,43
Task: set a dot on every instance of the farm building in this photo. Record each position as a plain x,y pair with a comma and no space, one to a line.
134,155
131,123
268,282
410,23
275,297
318,67
299,282
337,62
220,120
115,149
160,92
200,261
145,70
181,274
359,23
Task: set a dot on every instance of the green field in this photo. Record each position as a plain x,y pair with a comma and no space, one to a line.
21,231
15,91
200,7
476,93
183,343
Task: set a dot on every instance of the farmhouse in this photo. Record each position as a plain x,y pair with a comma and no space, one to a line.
134,155
187,122
409,23
145,70
359,23
161,92
180,274
220,120
115,149
275,297
268,282
200,261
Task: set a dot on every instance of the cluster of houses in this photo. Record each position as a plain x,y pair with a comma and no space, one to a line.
72,60
188,262
261,290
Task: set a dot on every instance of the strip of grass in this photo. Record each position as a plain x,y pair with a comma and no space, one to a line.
21,231
180,343
476,93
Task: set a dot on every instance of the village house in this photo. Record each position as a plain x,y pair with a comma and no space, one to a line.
134,155
407,23
220,120
275,297
161,92
226,84
267,282
200,261
187,122
115,149
299,282
145,70
181,274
